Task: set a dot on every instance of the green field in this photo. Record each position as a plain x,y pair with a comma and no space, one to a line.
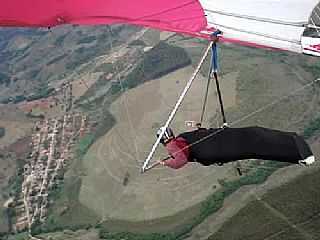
291,211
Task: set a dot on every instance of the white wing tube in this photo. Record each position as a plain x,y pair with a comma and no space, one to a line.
266,23
172,114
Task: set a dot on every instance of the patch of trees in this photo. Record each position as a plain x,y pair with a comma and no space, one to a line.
105,67
42,93
56,59
52,226
38,116
4,79
15,182
58,42
137,42
19,98
2,132
87,39
33,74
159,61
133,236
312,128
314,69
82,55
103,43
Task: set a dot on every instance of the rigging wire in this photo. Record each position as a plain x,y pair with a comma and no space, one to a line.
249,115
220,99
206,96
213,71
315,25
133,132
175,109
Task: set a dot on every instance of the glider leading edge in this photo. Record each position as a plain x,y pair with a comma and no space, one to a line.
280,25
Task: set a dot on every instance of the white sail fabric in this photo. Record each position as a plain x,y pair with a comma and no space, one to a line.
270,23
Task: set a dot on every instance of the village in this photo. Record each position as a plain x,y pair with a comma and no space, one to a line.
52,145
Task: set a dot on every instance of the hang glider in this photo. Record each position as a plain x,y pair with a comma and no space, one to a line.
265,23
290,25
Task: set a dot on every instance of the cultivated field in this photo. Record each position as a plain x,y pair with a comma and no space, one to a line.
16,124
289,211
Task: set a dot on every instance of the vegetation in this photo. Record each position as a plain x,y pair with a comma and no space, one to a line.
2,132
159,61
312,128
19,98
85,54
292,204
35,116
105,67
43,92
84,144
15,182
103,234
67,213
56,59
314,68
87,39
59,41
32,74
65,196
19,236
137,42
284,213
4,79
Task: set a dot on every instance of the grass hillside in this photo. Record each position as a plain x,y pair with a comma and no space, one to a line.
288,212
31,60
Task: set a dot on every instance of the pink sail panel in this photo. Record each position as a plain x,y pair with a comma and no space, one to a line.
183,16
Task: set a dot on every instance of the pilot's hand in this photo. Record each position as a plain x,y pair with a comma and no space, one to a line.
161,162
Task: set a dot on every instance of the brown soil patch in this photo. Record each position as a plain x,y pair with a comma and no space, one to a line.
16,124
21,147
